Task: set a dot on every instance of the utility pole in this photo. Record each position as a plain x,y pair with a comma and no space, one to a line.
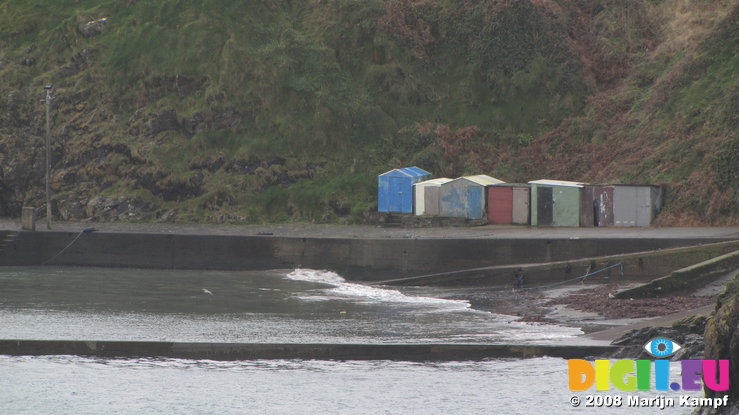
48,89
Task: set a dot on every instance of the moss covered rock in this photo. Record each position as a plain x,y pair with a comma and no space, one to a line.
722,338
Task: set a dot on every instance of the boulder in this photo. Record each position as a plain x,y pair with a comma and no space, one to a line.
112,208
71,210
93,27
722,342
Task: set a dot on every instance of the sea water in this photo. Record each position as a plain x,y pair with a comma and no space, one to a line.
278,306
292,306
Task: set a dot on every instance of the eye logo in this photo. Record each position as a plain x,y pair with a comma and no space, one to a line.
661,347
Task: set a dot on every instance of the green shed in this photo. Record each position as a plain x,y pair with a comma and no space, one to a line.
555,202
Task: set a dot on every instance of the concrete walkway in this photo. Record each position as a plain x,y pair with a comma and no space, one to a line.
301,230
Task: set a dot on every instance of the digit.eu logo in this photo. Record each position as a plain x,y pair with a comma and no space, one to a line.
631,375
661,347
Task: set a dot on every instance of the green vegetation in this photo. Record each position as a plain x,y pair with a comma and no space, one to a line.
276,110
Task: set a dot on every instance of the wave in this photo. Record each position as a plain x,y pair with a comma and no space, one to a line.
368,294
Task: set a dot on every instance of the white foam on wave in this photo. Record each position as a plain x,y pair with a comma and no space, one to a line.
368,294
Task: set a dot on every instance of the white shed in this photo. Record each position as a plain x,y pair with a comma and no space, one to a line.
426,196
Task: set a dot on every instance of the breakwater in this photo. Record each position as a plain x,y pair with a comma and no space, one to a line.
252,351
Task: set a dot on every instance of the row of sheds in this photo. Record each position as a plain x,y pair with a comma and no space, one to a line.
539,202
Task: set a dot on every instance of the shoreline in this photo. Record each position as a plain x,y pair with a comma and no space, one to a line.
601,318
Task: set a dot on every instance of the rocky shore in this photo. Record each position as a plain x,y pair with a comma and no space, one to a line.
705,323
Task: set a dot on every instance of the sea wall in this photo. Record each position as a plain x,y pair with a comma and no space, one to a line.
621,267
695,275
355,258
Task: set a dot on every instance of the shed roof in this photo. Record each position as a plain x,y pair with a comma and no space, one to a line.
433,182
512,185
565,183
412,171
634,185
482,179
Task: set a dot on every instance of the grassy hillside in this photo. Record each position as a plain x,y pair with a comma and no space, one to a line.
281,110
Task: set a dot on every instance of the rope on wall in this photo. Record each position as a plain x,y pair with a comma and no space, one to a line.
87,230
582,277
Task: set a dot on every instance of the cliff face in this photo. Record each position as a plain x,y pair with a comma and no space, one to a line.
278,110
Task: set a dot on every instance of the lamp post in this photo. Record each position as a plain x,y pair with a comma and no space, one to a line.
48,89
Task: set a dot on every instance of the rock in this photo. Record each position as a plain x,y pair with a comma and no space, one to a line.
93,27
695,324
633,343
210,164
226,117
722,341
242,167
221,218
168,216
173,188
28,61
111,208
197,123
97,205
71,210
276,161
164,120
214,99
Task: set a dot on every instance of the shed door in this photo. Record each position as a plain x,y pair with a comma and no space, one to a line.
589,209
545,205
397,194
644,206
624,206
431,200
605,206
520,209
500,204
475,202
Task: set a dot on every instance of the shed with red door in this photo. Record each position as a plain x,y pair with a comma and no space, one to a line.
508,203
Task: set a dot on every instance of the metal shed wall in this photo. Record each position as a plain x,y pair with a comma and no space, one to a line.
521,198
395,189
426,196
462,198
555,205
500,204
636,205
597,206
431,201
508,204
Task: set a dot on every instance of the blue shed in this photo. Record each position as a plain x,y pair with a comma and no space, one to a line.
395,189
465,197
